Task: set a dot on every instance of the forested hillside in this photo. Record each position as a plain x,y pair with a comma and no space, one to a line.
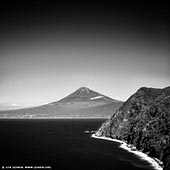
144,121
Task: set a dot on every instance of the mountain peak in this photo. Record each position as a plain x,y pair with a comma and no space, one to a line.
84,89
84,94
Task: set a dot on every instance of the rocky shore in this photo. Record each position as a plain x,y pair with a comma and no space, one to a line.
143,121
155,163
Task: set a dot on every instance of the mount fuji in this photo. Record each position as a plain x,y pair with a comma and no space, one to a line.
82,103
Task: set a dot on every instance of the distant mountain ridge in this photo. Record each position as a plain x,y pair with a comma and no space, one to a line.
143,121
82,103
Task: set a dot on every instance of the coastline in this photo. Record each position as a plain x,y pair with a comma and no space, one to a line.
154,163
29,118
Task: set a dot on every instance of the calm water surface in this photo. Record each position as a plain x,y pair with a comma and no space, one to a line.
61,145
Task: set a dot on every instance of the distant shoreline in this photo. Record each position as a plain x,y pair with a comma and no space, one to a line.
55,118
155,163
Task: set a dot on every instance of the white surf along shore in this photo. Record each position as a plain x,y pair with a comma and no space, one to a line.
155,163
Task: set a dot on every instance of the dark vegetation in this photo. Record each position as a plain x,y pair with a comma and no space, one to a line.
144,121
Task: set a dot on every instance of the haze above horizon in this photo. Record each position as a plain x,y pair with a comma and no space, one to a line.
49,50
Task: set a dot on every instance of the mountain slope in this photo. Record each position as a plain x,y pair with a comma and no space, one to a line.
144,121
83,103
84,94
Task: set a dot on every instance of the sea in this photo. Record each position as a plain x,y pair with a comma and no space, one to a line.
61,145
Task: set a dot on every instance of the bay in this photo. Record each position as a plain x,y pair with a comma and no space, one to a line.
61,145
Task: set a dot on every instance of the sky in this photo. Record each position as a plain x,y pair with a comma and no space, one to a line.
48,50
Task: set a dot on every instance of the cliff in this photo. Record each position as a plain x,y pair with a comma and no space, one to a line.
144,121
